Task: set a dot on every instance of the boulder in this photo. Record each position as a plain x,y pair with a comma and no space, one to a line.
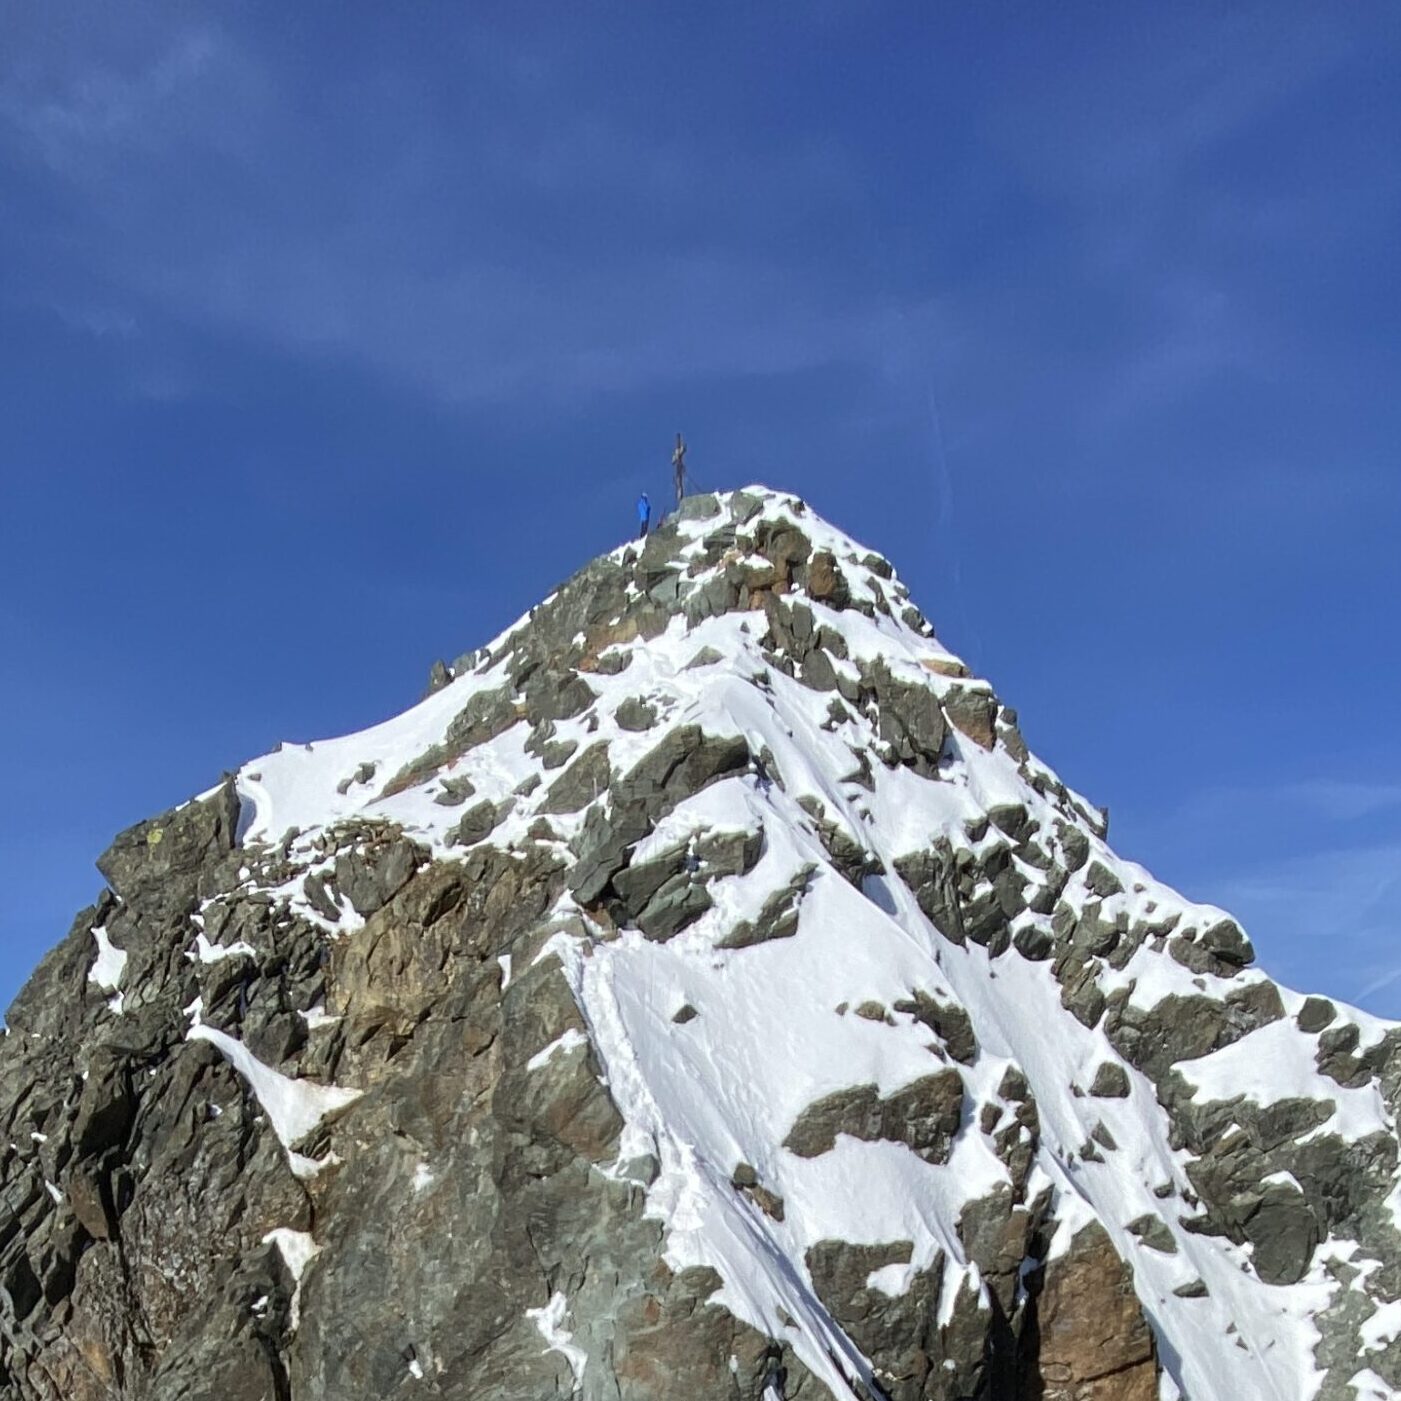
635,715
478,822
825,580
1315,1015
1111,1081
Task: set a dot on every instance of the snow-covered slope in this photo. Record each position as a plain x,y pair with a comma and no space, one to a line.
892,1033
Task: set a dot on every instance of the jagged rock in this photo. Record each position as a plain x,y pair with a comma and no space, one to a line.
1155,1233
729,853
747,1181
1226,941
702,506
778,919
1074,845
1011,819
486,715
947,1020
678,903
707,656
556,753
852,860
1183,1028
641,880
454,792
584,780
602,847
552,698
825,580
683,763
784,546
369,877
317,896
899,1329
996,1233
1080,993
1033,942
744,506
911,722
438,677
924,1115
972,711
932,878
157,865
1101,880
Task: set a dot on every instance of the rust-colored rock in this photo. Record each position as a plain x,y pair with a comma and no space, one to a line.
825,581
1095,1344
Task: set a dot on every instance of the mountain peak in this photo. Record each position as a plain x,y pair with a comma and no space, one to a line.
702,991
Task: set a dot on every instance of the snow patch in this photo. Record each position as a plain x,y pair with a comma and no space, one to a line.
294,1107
549,1322
298,1250
107,969
571,1040
205,952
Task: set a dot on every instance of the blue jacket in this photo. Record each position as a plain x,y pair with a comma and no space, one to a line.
644,508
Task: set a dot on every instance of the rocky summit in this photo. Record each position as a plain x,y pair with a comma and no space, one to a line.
702,994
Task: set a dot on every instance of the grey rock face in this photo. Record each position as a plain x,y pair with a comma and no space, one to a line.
583,781
160,862
911,722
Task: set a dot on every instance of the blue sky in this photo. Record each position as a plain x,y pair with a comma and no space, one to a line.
331,337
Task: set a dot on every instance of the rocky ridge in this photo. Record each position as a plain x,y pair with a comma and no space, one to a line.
702,992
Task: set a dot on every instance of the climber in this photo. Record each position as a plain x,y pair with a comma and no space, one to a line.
678,462
644,515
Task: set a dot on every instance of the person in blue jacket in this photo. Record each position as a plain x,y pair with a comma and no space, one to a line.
644,515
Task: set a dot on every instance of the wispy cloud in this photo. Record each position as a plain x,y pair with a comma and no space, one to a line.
1330,909
100,108
1312,866
202,195
1323,799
